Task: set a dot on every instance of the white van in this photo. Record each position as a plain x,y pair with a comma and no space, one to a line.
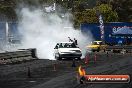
67,50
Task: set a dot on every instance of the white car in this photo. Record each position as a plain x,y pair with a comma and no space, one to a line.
67,50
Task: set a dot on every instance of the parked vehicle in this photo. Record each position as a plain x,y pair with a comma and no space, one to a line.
97,46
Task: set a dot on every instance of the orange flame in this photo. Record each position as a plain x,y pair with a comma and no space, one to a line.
81,71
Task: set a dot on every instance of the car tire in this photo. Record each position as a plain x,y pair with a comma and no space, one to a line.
93,50
56,57
78,58
98,49
59,58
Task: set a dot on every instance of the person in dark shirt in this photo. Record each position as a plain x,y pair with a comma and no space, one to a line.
75,41
73,45
61,46
70,40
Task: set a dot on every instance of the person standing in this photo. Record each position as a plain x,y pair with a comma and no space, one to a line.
75,41
70,40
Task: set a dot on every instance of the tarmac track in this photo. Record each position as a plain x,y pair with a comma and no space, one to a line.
44,76
70,82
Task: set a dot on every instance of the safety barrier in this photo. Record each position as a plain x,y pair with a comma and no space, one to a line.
119,49
17,56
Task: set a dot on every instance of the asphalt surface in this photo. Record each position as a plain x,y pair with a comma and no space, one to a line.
60,74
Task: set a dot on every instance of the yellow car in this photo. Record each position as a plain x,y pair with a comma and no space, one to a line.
97,46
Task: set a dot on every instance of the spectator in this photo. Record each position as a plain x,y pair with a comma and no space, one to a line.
61,46
65,46
75,41
70,40
73,45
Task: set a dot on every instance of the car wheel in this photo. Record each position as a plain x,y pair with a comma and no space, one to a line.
79,58
98,49
93,50
56,57
59,58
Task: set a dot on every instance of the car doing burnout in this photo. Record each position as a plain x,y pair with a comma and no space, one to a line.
67,50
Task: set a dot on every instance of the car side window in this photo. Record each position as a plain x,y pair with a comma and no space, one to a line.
61,46
73,45
65,46
56,47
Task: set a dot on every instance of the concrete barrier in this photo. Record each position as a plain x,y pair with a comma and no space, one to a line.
17,56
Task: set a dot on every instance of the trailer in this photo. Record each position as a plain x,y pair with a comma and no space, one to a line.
109,28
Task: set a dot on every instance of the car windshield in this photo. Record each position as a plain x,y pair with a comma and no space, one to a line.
97,43
67,45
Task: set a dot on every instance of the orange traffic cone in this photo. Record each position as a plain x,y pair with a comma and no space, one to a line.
73,63
86,59
107,54
95,57
54,67
28,72
78,78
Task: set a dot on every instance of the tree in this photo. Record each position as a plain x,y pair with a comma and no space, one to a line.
91,16
108,14
123,8
87,16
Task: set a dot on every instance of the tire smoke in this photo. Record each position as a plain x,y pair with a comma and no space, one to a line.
43,30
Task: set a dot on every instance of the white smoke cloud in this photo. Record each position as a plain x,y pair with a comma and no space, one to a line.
43,30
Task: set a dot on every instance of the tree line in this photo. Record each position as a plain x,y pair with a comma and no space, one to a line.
82,10
111,10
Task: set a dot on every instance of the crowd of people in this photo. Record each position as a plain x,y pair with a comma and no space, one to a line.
68,45
74,41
